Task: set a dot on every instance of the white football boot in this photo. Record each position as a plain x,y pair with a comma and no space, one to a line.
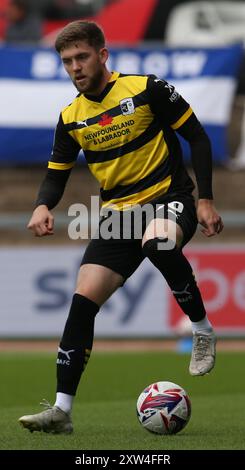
52,420
203,353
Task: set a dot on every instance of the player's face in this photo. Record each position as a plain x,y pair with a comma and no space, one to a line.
85,66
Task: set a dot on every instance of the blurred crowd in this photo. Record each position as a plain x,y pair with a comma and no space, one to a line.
22,21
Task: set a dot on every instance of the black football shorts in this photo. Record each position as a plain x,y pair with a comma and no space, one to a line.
118,245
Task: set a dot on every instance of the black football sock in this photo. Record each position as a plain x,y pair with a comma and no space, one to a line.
177,271
76,344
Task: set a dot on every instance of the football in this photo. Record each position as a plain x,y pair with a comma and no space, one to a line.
163,408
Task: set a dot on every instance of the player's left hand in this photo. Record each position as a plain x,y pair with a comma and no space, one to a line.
209,218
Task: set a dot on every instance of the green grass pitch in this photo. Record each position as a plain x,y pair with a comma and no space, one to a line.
104,411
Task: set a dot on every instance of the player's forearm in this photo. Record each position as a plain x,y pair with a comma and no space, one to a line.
201,155
52,188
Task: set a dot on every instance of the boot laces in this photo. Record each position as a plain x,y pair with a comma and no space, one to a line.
200,350
45,404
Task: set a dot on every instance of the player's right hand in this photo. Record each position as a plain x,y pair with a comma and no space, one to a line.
41,222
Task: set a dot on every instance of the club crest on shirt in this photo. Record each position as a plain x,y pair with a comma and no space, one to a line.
127,106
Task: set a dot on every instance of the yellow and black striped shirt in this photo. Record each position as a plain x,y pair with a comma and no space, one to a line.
128,138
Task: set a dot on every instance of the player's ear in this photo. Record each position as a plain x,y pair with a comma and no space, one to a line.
103,54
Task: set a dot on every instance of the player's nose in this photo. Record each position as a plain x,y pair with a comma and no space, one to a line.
76,65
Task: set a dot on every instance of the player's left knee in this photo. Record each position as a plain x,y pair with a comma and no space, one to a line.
157,245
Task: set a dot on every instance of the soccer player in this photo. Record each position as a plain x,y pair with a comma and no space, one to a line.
126,126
